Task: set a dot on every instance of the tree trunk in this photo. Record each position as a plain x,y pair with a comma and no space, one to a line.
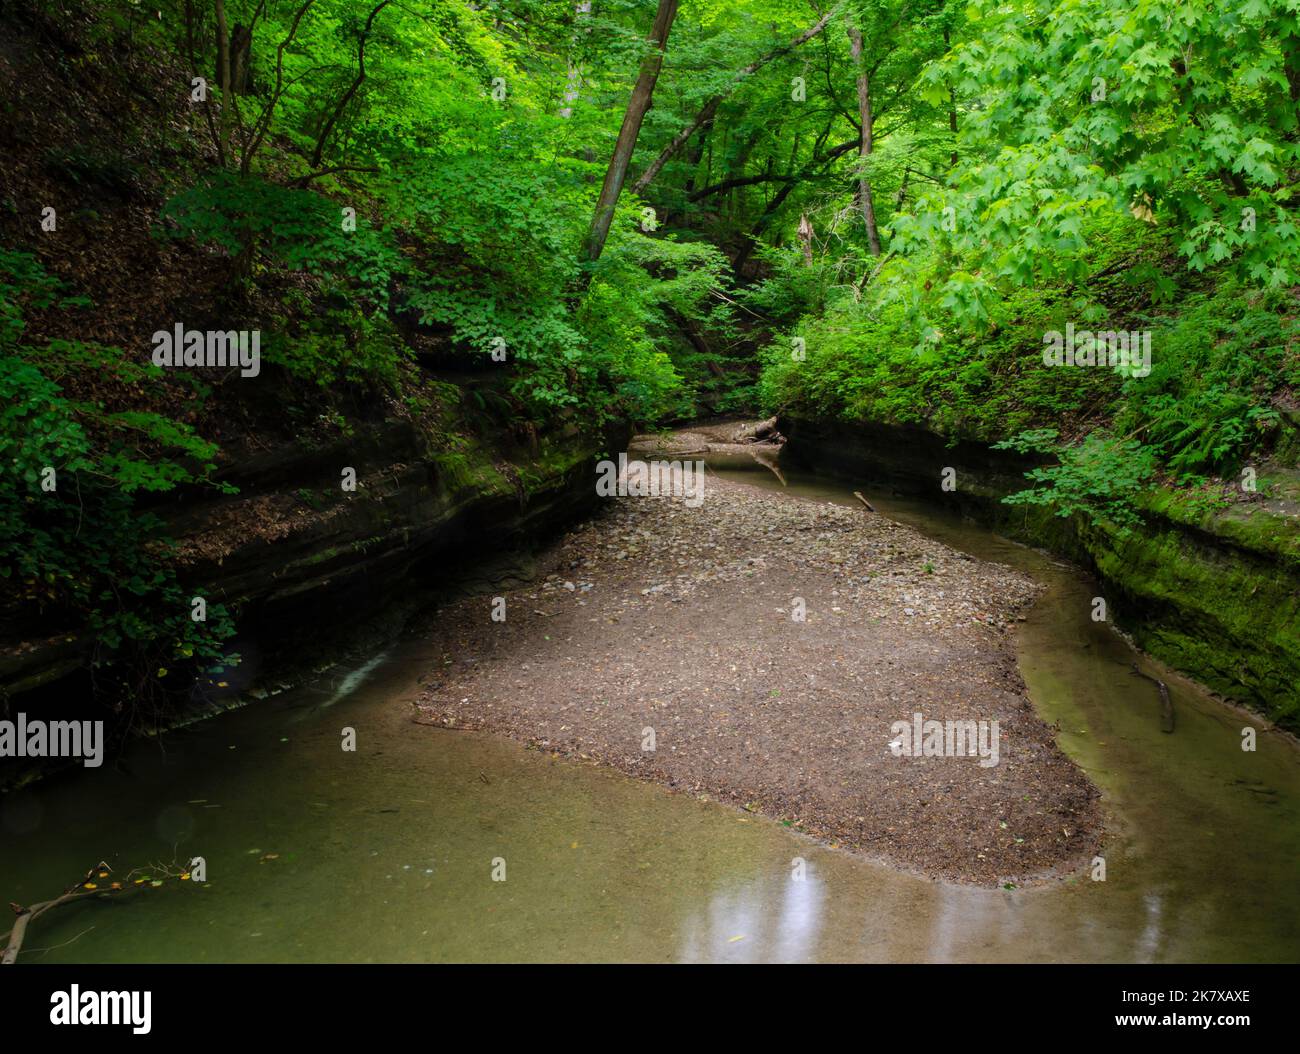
342,105
581,8
223,81
865,144
241,60
627,134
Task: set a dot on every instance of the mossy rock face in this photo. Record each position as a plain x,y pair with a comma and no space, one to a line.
1215,594
1227,614
424,504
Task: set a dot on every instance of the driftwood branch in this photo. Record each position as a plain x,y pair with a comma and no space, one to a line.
25,916
759,432
765,450
858,494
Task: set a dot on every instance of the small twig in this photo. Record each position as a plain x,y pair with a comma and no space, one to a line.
56,947
1166,704
858,494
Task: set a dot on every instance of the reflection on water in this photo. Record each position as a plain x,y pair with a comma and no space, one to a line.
315,854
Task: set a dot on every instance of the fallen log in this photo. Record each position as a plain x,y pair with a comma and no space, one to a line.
758,431
762,451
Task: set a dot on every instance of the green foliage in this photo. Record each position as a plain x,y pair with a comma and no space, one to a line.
1179,113
1099,479
298,229
1221,361
82,549
1208,403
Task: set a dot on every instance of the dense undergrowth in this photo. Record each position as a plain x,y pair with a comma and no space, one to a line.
1219,395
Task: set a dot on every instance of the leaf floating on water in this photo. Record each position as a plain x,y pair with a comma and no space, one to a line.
733,940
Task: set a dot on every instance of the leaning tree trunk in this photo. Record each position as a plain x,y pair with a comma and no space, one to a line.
627,134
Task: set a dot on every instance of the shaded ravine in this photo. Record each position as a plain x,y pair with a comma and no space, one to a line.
386,854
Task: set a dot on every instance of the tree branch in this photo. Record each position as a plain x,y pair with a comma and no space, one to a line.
264,121
710,108
352,88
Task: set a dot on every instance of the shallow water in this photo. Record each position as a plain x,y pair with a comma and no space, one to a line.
387,854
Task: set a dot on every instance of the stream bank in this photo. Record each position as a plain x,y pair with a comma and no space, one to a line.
313,571
1214,593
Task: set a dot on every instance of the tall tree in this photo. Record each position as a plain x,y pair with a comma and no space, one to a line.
865,141
642,93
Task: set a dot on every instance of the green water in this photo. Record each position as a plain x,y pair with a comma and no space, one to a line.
386,854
